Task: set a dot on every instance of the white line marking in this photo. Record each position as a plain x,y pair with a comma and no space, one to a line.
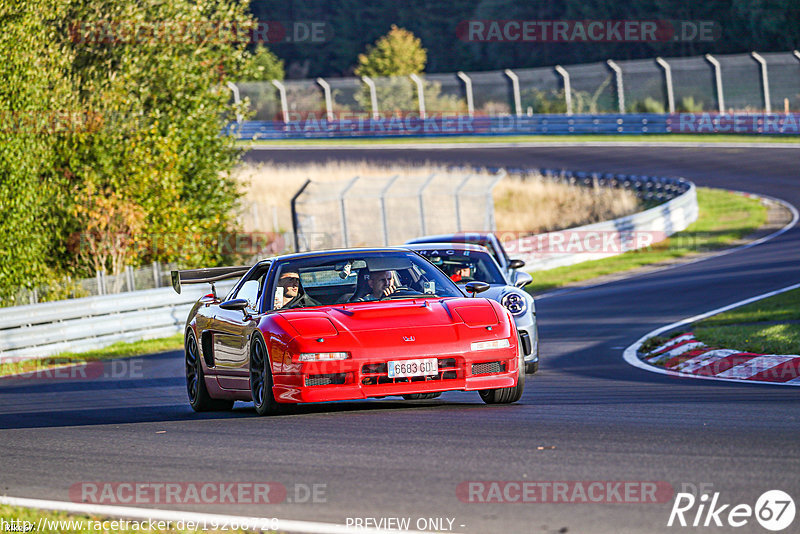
555,143
285,525
630,354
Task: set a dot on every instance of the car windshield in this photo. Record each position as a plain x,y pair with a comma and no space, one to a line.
341,278
464,266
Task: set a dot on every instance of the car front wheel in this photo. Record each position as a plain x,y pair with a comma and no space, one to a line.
506,395
261,379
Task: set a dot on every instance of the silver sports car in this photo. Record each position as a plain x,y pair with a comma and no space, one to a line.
465,263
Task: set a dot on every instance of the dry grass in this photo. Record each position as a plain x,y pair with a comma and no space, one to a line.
537,205
530,205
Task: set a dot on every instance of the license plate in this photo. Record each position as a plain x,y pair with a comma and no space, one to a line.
419,367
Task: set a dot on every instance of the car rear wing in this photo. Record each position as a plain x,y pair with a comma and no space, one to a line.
208,275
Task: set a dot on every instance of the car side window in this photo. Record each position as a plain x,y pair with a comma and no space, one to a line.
253,288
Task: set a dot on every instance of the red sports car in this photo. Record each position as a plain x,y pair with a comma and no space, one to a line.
345,324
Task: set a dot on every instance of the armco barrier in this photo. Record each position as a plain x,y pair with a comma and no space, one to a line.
676,210
76,325
363,126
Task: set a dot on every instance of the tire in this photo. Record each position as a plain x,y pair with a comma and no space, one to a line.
422,396
531,367
506,395
199,399
261,379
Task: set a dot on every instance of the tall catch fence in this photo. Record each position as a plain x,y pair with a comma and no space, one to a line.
368,211
751,83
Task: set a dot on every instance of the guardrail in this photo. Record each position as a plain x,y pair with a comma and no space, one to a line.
610,238
77,325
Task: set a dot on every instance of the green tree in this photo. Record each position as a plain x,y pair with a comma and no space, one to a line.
397,53
264,66
31,96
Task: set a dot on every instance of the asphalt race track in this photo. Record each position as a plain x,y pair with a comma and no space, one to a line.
586,416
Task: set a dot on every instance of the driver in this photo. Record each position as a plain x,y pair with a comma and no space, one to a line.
381,284
461,273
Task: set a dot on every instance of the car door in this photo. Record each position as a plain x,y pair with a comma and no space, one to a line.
232,333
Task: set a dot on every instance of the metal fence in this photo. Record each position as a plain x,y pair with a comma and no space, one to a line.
725,83
384,211
153,276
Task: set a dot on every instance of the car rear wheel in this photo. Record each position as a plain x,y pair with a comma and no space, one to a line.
261,379
531,367
421,396
507,395
199,398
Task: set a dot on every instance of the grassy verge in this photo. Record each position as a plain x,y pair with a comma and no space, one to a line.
28,520
724,218
117,350
762,327
769,326
555,139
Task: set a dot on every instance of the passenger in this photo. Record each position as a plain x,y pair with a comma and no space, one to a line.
293,294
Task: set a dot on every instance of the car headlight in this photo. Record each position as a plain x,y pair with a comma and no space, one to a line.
515,303
322,356
487,345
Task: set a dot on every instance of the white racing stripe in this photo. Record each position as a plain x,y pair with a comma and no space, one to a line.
631,357
127,512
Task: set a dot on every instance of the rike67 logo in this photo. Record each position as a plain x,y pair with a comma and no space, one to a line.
774,510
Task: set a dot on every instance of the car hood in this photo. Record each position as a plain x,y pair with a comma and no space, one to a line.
391,315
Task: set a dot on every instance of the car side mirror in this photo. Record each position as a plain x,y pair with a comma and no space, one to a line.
516,264
234,304
521,279
476,287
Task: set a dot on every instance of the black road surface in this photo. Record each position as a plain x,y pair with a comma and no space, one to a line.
586,416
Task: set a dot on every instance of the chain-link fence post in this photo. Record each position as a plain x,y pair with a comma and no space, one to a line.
620,88
515,90
420,94
326,88
467,92
718,80
284,100
156,274
567,88
373,96
237,101
668,83
764,80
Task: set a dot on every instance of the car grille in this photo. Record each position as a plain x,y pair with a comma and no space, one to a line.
325,380
377,373
488,368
